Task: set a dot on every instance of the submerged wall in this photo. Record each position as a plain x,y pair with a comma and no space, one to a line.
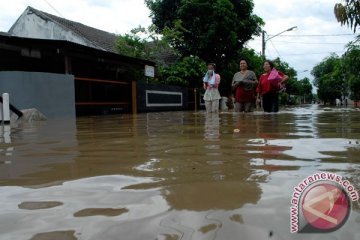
52,94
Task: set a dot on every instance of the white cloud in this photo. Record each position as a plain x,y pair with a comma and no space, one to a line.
312,17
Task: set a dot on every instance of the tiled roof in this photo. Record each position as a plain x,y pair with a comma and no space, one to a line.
100,39
164,56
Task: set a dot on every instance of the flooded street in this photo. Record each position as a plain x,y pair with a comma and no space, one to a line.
172,175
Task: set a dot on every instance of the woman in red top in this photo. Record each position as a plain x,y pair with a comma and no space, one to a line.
267,90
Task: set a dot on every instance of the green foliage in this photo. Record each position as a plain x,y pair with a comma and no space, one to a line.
325,67
200,31
162,12
132,44
174,36
305,86
144,44
305,90
348,13
335,76
329,78
351,62
189,72
214,30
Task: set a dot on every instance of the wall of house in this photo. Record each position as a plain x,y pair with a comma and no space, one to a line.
52,94
157,97
32,26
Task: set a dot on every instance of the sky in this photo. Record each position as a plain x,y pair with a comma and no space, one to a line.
301,48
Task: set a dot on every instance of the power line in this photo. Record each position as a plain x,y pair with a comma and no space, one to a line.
301,54
269,53
317,35
330,43
53,8
275,48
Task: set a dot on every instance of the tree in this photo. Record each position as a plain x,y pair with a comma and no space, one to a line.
338,77
162,12
146,44
188,72
214,30
351,63
132,45
329,79
348,13
185,71
305,89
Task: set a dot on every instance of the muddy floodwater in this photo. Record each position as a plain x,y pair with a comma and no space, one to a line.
172,175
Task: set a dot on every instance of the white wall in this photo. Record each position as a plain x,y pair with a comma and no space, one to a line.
32,26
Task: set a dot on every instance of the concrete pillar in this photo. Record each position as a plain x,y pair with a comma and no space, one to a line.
195,99
6,108
1,113
134,97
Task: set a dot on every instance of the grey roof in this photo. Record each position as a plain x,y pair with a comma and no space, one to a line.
4,34
101,39
164,56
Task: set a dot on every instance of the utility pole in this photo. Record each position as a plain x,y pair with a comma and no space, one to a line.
264,40
263,45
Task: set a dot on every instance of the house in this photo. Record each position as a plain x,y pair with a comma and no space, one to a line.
105,81
37,24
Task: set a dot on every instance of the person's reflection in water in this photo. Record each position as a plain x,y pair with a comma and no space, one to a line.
212,182
269,129
212,127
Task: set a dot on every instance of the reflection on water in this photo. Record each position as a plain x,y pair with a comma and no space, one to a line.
178,175
212,127
28,150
